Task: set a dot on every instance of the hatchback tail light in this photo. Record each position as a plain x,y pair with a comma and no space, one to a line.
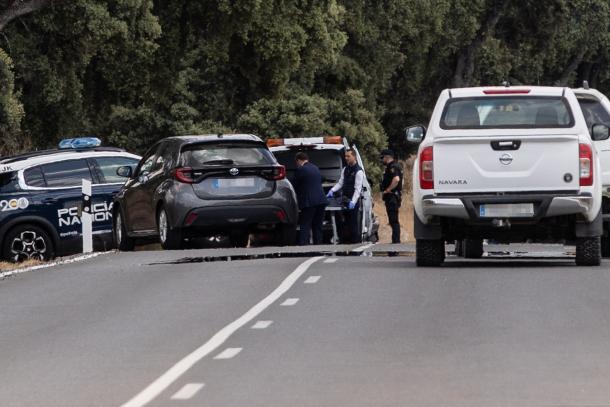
184,174
426,173
276,173
585,154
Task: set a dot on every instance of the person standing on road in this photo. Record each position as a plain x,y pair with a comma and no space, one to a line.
350,184
311,199
391,189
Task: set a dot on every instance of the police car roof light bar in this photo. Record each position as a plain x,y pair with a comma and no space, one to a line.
80,142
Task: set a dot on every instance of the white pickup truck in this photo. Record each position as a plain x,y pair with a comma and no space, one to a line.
507,163
596,109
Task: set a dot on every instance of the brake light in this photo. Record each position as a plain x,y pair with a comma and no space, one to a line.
426,173
585,154
507,91
279,173
184,174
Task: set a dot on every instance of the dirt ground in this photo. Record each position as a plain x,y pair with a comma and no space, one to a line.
6,266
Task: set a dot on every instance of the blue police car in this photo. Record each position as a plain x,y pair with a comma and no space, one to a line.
40,197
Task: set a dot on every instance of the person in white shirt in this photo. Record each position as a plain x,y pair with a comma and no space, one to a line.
350,184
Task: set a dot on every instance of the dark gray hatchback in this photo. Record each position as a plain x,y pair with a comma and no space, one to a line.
196,186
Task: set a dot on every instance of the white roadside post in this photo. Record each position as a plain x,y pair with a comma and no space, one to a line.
87,217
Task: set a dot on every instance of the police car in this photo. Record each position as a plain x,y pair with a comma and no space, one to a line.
328,153
40,197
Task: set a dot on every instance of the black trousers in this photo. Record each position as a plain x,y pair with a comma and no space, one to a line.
310,219
352,221
392,205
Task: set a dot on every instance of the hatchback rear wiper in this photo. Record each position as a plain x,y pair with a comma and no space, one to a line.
226,161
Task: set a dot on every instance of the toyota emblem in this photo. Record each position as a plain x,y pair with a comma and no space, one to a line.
506,159
234,171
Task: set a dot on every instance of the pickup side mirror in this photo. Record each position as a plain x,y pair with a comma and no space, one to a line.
600,132
415,134
124,171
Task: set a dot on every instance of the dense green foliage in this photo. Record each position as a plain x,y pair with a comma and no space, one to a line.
134,71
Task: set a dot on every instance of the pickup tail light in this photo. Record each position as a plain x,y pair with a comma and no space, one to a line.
426,173
184,174
585,154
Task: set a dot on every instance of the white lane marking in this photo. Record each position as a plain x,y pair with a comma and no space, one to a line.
228,353
331,260
170,376
363,248
262,325
289,302
312,280
188,391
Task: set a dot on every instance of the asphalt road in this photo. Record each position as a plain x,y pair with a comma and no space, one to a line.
141,329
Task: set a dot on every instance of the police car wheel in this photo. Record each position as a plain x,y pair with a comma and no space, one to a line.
121,240
170,238
27,242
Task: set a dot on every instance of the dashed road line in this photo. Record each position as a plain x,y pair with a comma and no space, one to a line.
312,280
169,377
188,391
228,353
262,325
331,260
289,302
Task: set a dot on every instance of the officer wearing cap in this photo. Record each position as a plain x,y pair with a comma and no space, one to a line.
391,188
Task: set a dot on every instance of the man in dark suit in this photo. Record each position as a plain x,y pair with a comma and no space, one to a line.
311,199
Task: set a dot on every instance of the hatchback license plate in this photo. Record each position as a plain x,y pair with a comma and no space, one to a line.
521,210
233,183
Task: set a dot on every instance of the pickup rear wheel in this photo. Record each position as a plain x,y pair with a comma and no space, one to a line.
472,248
588,251
429,253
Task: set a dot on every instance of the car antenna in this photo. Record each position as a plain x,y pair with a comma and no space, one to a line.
585,85
506,84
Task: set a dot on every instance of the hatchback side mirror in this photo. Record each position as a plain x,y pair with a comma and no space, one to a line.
600,132
124,171
415,134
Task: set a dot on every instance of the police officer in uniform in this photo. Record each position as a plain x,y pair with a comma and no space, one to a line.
350,184
391,188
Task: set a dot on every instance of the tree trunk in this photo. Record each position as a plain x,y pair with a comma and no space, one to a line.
20,8
465,66
572,66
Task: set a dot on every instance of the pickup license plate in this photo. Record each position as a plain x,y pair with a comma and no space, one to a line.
521,210
222,183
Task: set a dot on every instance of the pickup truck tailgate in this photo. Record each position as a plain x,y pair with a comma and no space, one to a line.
506,164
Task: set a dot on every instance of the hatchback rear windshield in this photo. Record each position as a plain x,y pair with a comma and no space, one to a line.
204,154
507,112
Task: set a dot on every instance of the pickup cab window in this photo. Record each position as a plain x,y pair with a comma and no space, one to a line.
507,113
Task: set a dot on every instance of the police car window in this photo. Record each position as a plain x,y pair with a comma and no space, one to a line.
34,178
109,165
66,173
8,182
